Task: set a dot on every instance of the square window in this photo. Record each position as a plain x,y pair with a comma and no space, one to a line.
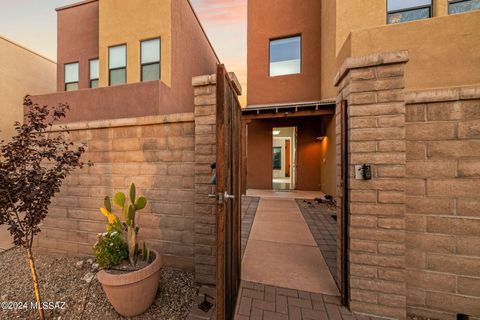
94,73
117,65
285,56
150,59
71,76
408,10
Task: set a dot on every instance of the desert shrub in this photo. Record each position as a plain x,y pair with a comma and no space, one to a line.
110,249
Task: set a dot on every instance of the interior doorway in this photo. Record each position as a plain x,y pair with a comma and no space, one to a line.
284,149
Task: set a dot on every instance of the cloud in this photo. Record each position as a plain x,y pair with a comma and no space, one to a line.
221,11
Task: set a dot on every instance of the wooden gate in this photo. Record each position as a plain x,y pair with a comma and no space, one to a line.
229,195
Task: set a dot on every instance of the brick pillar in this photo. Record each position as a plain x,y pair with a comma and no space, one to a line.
205,155
373,87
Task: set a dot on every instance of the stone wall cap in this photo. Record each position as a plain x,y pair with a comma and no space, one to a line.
442,94
125,122
371,60
204,80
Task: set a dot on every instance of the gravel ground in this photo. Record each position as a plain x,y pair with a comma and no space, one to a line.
61,281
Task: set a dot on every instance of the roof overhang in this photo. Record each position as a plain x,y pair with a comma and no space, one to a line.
289,110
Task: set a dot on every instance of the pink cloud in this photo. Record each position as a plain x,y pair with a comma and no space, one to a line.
221,11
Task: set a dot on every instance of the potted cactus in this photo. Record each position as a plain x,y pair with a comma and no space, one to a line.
129,275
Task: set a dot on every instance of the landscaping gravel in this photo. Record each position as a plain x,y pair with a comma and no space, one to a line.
64,280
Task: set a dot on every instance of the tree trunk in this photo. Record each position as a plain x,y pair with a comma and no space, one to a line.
31,263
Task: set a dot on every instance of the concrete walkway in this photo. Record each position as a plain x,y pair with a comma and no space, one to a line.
281,250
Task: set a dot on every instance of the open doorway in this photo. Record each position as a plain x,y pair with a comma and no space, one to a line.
284,149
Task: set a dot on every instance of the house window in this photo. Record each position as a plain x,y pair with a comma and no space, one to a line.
94,71
285,56
71,76
117,65
408,10
150,59
459,6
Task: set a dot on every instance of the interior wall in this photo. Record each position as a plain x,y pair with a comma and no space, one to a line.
309,152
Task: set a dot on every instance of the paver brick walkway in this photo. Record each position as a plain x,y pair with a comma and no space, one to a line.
263,302
321,222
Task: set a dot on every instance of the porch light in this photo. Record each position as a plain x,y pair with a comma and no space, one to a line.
320,138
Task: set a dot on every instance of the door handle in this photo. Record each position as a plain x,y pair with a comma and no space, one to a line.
228,196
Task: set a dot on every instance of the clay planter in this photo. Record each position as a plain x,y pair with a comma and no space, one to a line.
131,294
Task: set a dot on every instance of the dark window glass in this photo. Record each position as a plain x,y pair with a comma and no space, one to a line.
117,65
463,6
118,76
277,158
285,56
408,10
71,86
94,83
150,59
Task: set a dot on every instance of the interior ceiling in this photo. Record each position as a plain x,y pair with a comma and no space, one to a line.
285,132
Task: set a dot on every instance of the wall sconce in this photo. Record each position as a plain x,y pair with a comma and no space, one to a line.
320,138
322,134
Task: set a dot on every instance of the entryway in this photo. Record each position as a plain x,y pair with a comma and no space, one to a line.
284,158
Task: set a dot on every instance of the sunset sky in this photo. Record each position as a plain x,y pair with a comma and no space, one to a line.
33,23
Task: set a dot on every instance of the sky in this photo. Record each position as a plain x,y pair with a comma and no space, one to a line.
33,24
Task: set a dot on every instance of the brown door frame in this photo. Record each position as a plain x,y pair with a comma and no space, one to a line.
345,274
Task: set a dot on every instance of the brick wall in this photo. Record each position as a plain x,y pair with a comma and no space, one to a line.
205,154
373,87
168,157
415,227
443,202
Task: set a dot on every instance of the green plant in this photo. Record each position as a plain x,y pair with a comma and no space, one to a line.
128,226
33,165
110,249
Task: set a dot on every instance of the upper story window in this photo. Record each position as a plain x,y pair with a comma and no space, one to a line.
71,76
458,6
117,65
94,73
408,10
285,56
150,59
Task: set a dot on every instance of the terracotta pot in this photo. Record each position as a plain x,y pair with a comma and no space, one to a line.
131,294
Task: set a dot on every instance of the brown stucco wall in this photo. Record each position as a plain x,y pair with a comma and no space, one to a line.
268,20
192,54
77,40
328,39
22,72
443,50
329,161
309,152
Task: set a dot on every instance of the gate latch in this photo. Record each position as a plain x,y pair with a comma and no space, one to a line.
221,196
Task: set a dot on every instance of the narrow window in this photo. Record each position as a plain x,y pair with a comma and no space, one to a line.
459,6
150,59
285,56
71,76
117,65
94,72
408,10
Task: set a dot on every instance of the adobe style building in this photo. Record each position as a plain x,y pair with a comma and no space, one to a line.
394,85
128,58
22,72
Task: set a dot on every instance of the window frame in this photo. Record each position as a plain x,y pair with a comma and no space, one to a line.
159,62
121,68
65,83
90,73
429,7
449,2
298,35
